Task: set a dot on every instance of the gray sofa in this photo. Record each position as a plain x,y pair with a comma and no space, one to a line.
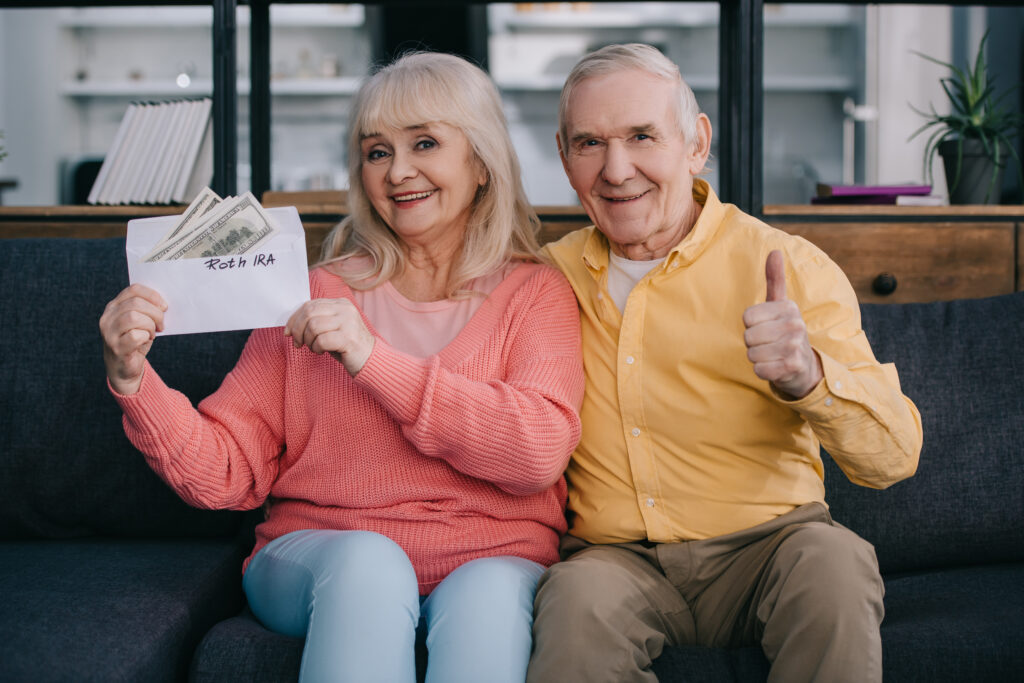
107,576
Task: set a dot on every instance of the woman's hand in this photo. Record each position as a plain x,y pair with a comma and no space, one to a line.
129,324
332,326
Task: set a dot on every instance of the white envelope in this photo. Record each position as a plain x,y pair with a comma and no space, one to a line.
259,289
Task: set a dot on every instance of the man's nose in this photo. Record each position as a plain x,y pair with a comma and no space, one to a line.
618,164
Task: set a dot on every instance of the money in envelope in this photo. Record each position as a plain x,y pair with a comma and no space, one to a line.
224,264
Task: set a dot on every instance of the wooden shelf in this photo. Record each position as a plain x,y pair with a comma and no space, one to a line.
934,252
874,211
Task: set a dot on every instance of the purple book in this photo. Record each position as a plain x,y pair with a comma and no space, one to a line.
856,199
825,190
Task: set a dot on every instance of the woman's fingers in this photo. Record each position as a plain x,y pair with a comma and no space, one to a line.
128,325
332,326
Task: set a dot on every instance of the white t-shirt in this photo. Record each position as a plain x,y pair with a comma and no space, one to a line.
623,274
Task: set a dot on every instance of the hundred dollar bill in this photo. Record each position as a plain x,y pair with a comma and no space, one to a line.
193,216
236,226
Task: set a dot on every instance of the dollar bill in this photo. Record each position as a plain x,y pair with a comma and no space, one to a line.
237,226
193,216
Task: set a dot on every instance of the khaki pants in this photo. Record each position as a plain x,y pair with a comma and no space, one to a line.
802,586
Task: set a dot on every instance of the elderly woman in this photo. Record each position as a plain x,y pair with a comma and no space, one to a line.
408,428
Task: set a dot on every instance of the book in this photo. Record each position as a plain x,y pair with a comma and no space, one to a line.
882,199
116,149
198,169
162,153
829,190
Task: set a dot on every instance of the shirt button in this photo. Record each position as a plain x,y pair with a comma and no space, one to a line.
828,401
650,502
629,360
839,385
635,432
600,296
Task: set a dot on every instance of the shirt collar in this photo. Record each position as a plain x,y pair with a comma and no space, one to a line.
596,248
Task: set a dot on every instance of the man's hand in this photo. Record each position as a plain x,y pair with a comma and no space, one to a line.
776,338
332,326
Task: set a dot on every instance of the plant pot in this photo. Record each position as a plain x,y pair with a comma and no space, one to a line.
980,181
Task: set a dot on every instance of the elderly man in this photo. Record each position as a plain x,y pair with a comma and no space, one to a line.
720,354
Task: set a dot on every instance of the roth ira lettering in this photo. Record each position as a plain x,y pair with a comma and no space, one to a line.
240,262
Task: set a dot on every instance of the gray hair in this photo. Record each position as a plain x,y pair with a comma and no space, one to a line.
426,87
614,58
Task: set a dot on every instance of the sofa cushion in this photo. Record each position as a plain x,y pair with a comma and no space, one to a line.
955,625
962,364
941,626
66,468
241,650
112,610
721,665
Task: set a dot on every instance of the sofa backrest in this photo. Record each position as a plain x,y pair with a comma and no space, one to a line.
962,363
66,467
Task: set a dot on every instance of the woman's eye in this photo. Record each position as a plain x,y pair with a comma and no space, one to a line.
426,144
375,155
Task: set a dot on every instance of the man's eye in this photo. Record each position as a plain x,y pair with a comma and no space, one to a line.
589,143
643,136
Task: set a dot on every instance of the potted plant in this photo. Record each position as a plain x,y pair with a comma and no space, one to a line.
975,138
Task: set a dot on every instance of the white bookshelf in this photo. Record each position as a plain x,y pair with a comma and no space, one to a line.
812,53
111,56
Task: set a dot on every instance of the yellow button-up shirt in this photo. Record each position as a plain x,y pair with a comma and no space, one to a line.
681,440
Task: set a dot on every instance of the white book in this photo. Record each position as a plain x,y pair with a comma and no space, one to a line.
143,159
199,146
118,163
168,141
191,113
202,169
116,149
121,176
921,200
150,153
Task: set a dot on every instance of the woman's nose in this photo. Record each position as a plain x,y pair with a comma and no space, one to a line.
401,168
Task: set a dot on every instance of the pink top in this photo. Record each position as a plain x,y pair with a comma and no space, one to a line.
423,328
454,457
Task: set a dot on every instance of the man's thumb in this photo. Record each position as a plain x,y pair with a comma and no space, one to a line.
775,274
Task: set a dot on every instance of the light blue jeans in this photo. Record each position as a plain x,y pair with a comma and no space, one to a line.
353,596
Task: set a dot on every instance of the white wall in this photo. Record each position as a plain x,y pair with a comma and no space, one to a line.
33,114
897,79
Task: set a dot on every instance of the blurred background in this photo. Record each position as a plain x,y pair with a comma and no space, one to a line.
839,81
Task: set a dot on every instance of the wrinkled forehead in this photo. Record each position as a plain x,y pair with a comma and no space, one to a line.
626,100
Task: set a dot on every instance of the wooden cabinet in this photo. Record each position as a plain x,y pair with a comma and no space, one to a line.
901,262
915,254
890,254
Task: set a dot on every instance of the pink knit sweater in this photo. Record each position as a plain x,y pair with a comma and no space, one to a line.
454,457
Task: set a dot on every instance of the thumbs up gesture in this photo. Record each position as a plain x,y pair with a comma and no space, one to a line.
776,338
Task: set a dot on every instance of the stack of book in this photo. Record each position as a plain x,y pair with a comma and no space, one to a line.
902,195
162,154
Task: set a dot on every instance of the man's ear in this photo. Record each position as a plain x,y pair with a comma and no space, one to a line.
701,145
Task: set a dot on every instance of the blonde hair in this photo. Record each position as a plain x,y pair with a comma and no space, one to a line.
420,88
614,58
